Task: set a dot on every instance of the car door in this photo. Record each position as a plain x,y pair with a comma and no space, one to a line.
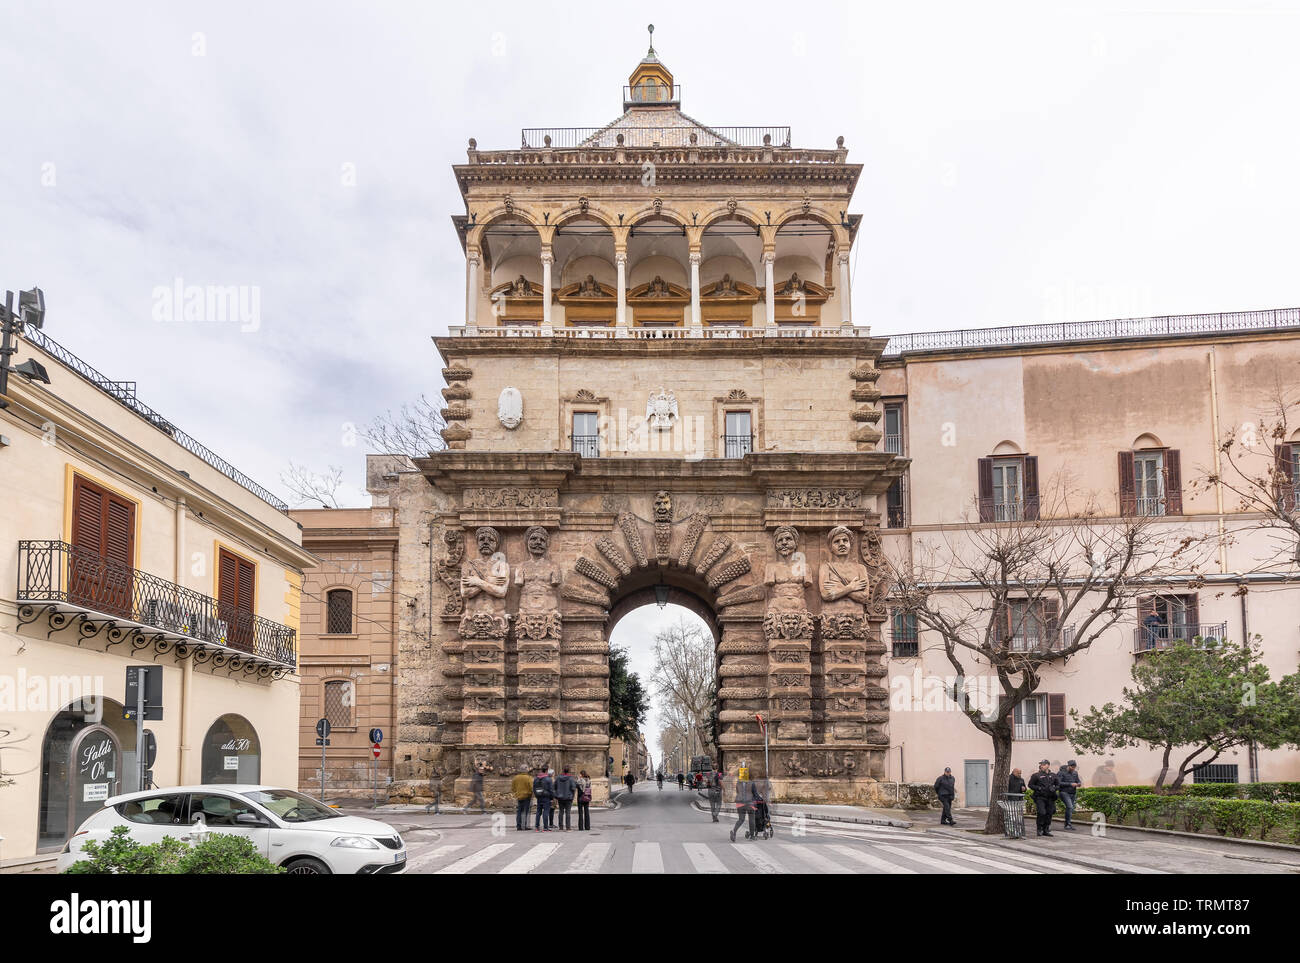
227,813
153,817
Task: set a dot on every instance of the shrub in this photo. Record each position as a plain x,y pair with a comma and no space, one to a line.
221,853
1235,818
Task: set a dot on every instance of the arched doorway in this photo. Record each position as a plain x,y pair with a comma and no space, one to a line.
232,753
87,755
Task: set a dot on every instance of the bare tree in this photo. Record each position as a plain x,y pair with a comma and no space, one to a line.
683,679
1256,464
308,487
1010,598
414,430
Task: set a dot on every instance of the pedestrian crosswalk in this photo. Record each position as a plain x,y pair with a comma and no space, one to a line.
830,853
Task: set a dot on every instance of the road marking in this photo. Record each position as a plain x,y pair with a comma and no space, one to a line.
972,858
530,860
1059,867
646,858
432,855
813,858
879,865
703,859
943,864
764,862
590,859
474,860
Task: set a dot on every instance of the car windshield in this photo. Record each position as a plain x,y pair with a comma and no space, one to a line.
292,807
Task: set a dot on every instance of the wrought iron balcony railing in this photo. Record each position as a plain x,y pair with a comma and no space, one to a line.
56,572
737,446
1148,638
893,443
588,446
1036,641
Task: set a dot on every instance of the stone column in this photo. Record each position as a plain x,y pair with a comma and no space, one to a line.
547,258
769,259
620,259
695,288
846,301
471,288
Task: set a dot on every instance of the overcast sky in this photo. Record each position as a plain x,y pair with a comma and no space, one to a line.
1023,162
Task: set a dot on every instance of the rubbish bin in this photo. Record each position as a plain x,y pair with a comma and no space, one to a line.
1013,814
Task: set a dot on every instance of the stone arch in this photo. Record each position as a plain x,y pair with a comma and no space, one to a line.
1006,447
1147,440
577,212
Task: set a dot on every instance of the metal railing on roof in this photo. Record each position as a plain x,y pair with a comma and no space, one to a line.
567,138
123,392
1164,326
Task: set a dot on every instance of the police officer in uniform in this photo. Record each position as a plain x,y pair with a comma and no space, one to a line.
1045,786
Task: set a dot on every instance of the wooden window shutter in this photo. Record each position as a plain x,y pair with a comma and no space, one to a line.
1173,482
228,580
1031,488
1192,607
1056,715
103,549
87,517
119,532
985,472
246,582
1127,486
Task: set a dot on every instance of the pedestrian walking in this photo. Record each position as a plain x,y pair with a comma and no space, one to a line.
584,801
715,794
1044,786
1016,783
521,787
1070,782
744,807
543,789
565,789
476,785
659,778
945,787
435,790
628,780
681,781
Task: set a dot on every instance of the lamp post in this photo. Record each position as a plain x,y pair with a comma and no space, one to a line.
31,310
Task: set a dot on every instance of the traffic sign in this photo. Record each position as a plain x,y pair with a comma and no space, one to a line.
151,696
322,742
323,729
375,750
376,735
150,748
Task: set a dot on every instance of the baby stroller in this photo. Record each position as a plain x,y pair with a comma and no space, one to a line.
762,822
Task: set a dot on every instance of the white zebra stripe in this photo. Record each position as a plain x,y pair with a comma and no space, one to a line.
811,856
590,859
946,865
703,859
971,857
474,860
646,858
432,855
753,852
530,860
876,863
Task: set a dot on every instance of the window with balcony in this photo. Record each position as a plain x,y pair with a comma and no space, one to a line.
338,612
903,635
339,700
1041,716
1029,625
586,434
895,510
738,437
894,428
103,549
1166,619
236,587
1008,488
1150,481
1286,477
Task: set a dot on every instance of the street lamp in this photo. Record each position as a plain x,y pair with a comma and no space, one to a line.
31,311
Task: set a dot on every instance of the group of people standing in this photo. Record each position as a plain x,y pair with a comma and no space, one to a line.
555,796
1047,787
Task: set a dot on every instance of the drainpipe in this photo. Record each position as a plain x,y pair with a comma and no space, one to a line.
1218,464
1252,751
187,665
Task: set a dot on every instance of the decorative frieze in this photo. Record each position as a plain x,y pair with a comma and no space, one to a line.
511,498
814,497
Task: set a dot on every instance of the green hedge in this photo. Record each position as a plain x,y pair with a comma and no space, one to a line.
1237,818
1263,791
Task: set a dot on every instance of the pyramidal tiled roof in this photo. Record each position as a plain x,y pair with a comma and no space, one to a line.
647,126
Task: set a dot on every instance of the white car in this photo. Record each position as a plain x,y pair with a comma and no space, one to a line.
295,831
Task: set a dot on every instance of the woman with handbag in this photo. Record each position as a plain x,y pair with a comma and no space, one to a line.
584,801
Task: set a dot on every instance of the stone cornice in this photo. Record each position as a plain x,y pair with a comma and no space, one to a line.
669,348
666,172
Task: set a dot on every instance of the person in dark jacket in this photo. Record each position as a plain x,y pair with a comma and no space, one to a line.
744,807
945,787
1044,786
1016,783
543,791
1070,782
476,785
584,801
565,789
715,794
629,780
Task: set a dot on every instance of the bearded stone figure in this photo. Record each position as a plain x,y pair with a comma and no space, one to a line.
539,582
787,614
483,584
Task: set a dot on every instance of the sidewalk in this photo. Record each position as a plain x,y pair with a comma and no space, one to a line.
842,814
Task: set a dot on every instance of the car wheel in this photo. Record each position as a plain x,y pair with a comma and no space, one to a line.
306,866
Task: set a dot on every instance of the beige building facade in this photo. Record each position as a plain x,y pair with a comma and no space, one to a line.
125,542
